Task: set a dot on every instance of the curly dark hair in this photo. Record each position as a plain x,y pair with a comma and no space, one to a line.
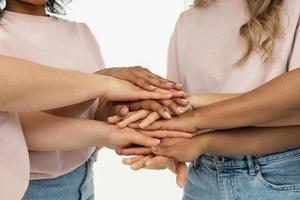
52,6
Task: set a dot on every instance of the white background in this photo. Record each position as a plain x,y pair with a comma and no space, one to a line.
131,32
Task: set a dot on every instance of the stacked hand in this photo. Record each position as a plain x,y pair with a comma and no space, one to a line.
155,108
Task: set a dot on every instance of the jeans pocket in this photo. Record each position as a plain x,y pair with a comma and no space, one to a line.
280,175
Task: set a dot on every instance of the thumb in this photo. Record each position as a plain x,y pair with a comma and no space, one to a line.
121,110
181,172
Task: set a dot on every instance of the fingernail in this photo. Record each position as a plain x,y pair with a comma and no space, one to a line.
119,152
152,87
124,111
181,184
180,110
142,126
169,95
156,141
154,148
184,100
170,83
167,115
179,85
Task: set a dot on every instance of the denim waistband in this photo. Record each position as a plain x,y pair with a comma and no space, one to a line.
225,162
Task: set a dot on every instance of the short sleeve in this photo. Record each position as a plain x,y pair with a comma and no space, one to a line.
93,45
294,62
173,72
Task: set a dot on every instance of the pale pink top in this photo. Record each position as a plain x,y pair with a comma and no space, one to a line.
206,44
54,42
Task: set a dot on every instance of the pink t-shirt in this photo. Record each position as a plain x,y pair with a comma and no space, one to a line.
54,42
206,44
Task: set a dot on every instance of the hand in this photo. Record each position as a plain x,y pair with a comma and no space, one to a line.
181,149
185,151
124,138
119,90
141,77
106,109
145,151
159,163
163,108
186,122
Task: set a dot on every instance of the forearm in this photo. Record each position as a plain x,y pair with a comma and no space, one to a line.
273,101
253,141
45,132
200,100
73,111
28,86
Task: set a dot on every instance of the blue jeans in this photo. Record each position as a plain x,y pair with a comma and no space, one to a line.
271,177
76,185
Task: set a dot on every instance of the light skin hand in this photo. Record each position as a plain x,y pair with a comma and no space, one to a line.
127,137
149,161
186,122
120,90
149,111
173,106
159,163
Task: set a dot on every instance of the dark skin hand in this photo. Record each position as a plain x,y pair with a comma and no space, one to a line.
141,77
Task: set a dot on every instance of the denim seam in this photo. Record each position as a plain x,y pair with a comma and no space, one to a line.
278,160
273,186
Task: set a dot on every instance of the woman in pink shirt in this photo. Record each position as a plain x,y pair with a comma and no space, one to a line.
59,146
206,54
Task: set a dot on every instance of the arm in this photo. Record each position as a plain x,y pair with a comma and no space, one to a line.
37,87
26,86
275,100
45,132
242,141
201,100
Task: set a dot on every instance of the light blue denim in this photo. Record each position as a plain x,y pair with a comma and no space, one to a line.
271,177
76,185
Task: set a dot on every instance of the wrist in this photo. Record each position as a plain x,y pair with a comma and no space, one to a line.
204,143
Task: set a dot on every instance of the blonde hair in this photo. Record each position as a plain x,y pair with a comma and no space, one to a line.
262,29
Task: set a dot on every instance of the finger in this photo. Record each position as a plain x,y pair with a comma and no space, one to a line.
159,125
129,161
168,151
133,118
143,83
150,105
152,117
120,110
138,138
178,86
173,106
160,162
114,119
160,82
181,101
167,134
181,171
141,163
143,94
135,151
175,93
134,125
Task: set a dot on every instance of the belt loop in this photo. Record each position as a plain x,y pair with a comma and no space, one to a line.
251,167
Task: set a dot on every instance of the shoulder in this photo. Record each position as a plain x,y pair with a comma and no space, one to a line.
72,25
188,15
